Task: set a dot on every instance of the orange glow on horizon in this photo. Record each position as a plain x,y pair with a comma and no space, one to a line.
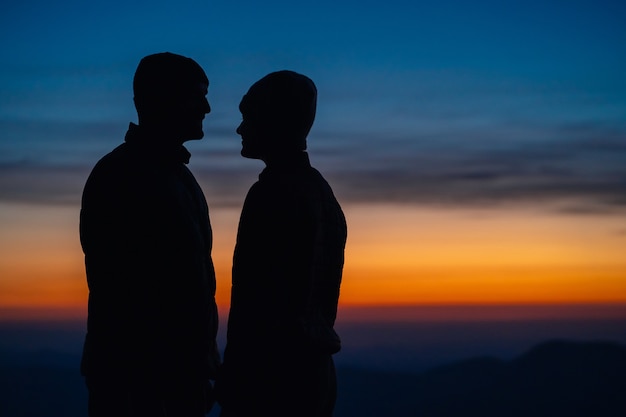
484,285
396,255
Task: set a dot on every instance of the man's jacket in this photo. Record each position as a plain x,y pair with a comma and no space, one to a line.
287,264
145,232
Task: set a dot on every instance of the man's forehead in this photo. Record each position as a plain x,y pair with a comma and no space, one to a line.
253,102
244,104
197,88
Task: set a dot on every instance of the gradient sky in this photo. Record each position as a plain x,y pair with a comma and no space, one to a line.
478,148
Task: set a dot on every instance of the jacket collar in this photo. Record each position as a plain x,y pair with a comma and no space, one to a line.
290,164
155,147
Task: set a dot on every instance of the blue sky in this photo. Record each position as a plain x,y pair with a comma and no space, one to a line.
449,103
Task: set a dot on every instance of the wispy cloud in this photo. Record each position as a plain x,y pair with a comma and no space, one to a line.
579,170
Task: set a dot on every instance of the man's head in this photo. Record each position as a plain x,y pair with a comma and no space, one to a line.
170,95
278,112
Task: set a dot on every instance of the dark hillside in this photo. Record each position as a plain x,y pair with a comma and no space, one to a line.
554,379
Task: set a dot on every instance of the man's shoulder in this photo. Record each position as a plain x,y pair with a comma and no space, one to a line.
316,176
115,161
317,183
111,166
115,157
258,190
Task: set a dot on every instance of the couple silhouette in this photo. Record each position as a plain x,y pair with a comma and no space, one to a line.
150,347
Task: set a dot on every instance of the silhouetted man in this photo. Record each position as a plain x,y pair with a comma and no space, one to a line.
287,265
150,348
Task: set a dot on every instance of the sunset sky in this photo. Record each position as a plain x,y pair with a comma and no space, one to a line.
478,148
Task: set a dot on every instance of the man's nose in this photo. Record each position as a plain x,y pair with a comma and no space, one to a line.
238,130
207,107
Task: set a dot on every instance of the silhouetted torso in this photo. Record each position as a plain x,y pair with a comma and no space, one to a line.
286,277
147,239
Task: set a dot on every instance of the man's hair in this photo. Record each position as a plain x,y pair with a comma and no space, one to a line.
287,101
164,76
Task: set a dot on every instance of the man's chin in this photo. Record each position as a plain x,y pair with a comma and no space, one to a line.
195,136
250,154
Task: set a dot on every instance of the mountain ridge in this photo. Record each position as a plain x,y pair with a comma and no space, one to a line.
557,378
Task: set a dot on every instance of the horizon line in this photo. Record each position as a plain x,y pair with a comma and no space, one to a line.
384,312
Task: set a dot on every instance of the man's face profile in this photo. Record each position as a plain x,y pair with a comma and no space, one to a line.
189,110
277,114
170,96
251,129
